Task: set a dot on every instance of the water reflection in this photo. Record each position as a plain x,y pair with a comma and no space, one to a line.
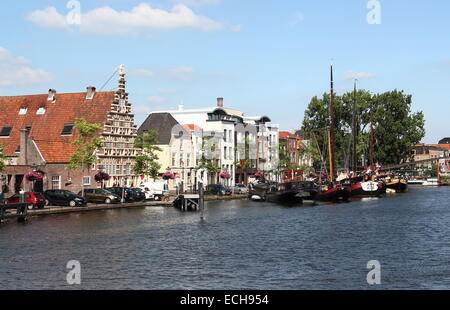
240,245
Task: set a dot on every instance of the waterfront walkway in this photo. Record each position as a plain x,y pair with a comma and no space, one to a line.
53,210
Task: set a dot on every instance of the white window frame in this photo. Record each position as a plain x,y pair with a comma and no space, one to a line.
57,181
88,183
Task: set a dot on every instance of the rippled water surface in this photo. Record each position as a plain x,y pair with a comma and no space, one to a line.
240,245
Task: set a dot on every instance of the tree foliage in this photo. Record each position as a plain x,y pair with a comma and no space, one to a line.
396,128
2,158
87,143
147,162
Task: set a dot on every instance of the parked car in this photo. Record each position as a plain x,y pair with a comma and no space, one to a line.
37,200
218,189
100,195
155,190
240,189
140,195
128,194
59,197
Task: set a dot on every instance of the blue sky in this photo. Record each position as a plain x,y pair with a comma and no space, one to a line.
265,57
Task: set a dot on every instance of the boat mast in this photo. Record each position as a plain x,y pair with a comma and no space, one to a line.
371,140
331,132
355,134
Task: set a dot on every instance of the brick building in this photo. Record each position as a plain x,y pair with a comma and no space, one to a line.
37,133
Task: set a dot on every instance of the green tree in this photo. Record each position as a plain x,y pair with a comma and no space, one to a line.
87,143
2,158
147,162
396,128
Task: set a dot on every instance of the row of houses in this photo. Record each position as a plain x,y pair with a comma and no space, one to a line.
427,154
37,132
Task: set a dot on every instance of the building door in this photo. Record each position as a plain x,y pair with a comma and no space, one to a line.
18,180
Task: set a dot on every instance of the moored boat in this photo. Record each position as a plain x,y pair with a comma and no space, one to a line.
336,193
366,189
276,192
399,185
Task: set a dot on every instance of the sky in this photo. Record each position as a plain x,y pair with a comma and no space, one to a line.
265,57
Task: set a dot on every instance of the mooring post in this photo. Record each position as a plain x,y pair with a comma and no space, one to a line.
201,201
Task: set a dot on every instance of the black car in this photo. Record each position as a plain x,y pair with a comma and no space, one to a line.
129,194
59,197
140,195
218,189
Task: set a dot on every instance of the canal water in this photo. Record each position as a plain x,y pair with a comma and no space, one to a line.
240,245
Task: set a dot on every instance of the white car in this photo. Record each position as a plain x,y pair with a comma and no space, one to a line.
240,189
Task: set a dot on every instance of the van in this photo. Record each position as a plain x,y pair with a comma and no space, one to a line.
155,190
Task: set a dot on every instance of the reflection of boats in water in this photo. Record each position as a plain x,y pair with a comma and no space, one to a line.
276,192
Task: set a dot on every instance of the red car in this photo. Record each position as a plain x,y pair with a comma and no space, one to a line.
36,199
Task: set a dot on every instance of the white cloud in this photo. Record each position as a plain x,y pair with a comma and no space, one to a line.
182,73
197,2
165,91
107,21
156,99
143,73
48,18
16,70
350,75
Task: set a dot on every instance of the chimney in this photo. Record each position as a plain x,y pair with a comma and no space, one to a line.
51,95
90,92
23,157
220,102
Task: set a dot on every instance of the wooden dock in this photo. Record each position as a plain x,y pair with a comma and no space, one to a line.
17,211
9,211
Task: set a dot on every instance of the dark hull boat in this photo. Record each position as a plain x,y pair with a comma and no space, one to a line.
278,193
400,186
337,193
367,189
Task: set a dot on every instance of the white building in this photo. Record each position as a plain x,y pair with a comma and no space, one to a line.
227,136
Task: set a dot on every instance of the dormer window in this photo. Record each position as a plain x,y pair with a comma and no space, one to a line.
67,130
40,111
23,111
5,131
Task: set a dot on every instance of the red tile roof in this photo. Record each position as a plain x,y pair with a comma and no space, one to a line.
284,134
445,146
46,129
192,127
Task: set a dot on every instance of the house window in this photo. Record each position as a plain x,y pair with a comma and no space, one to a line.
174,159
86,181
40,111
67,130
225,155
56,182
23,111
18,149
5,131
188,159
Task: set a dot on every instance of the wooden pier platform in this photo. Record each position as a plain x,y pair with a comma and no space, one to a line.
17,211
